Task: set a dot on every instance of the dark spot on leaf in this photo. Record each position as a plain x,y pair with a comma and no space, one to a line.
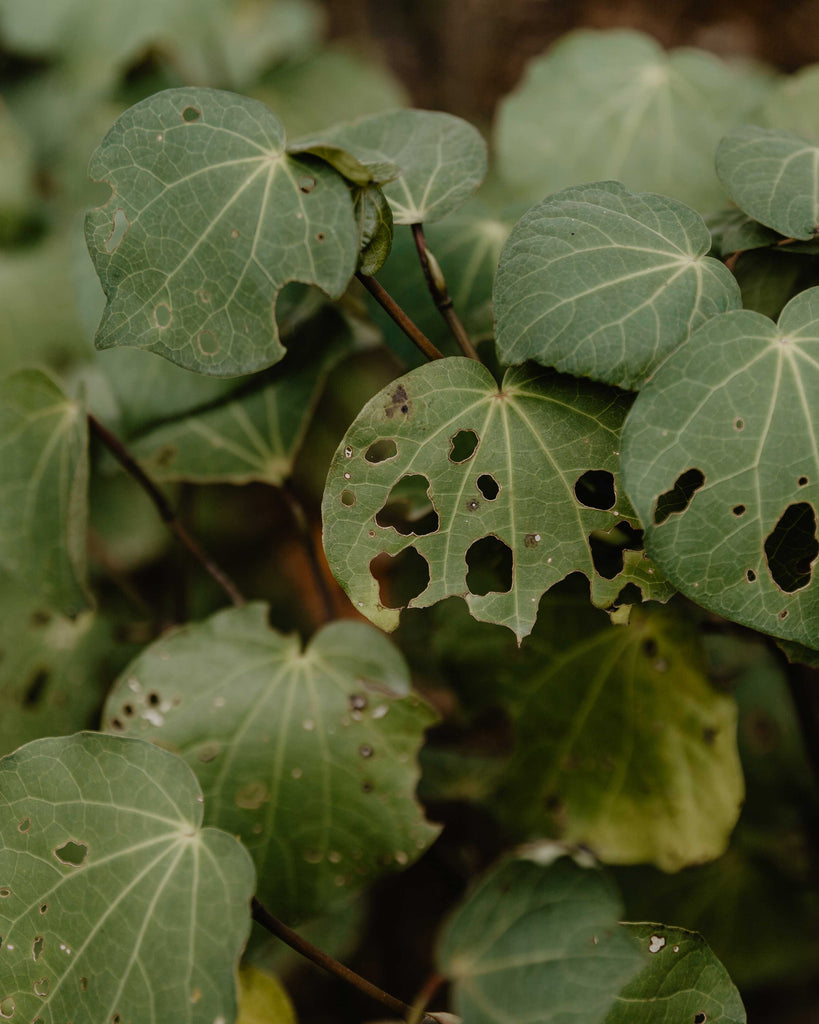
190,114
357,701
738,510
408,508
783,614
365,750
709,734
72,853
307,184
44,908
380,451
166,455
462,446
739,423
531,540
84,984
650,647
488,486
24,825
490,567
791,548
473,504
40,618
399,403
401,578
117,724
678,499
35,689
321,237
128,710
700,1018
366,787
347,499
595,489
750,575
802,481
153,698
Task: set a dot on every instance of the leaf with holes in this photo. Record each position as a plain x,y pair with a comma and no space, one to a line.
772,176
682,981
208,219
440,158
44,482
602,283
115,904
271,729
720,458
616,105
538,943
448,485
622,744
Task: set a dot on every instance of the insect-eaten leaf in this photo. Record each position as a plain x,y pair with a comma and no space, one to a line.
720,460
602,283
115,904
270,729
208,219
448,485
537,942
44,482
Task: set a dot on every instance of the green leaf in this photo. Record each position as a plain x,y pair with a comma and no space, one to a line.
17,195
44,481
271,730
538,942
791,104
772,176
54,671
201,289
373,215
263,999
682,981
114,903
601,283
532,441
616,105
622,744
734,231
720,460
441,159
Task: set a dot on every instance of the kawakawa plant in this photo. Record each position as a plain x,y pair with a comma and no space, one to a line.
620,430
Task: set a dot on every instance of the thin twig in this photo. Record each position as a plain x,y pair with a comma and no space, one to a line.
440,293
391,307
278,928
299,517
163,507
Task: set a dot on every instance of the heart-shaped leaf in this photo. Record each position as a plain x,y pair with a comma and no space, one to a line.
440,158
774,177
44,483
682,981
208,219
114,903
488,493
615,105
270,730
720,459
602,283
538,943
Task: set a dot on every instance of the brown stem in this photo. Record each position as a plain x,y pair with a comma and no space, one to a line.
299,517
390,306
440,294
278,928
163,507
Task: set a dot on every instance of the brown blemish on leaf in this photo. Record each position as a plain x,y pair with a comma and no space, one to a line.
399,403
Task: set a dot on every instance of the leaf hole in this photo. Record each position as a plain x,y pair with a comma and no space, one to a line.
37,948
750,576
489,567
117,725
153,698
738,510
462,446
24,825
35,690
347,499
791,548
321,237
408,508
739,423
41,987
700,1018
72,853
83,984
5,893
162,315
379,451
191,114
802,481
607,547
677,500
208,343
307,184
595,489
365,750
783,614
118,228
401,578
488,486
128,710
7,1007
43,907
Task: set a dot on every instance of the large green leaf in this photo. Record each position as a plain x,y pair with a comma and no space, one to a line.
681,981
791,105
43,480
200,286
615,105
720,458
114,903
772,176
54,671
441,159
622,744
499,524
602,283
272,731
538,943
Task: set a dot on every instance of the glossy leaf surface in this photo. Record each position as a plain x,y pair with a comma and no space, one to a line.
114,902
720,459
602,283
271,730
208,219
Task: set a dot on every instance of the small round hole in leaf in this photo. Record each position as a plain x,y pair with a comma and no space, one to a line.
739,423
490,567
488,486
462,446
750,575
307,184
738,510
347,499
802,481
595,489
190,114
